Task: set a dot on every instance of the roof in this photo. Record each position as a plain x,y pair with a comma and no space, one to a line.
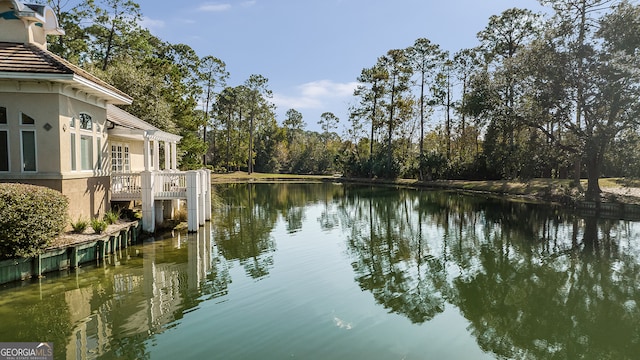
25,61
126,120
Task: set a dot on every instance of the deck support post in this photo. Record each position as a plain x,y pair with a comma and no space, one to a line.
148,203
207,196
193,197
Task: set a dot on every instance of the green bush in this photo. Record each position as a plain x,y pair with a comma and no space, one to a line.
30,219
98,225
79,226
112,216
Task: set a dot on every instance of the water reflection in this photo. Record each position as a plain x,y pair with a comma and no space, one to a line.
109,311
533,282
530,281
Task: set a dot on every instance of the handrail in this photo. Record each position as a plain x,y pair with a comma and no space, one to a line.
167,185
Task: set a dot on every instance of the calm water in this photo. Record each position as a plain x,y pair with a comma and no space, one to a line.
324,271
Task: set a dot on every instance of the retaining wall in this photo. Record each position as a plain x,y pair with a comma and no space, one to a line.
69,257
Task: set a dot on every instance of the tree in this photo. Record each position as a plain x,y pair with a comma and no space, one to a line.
396,64
503,37
424,57
258,92
328,121
371,92
74,44
211,74
112,25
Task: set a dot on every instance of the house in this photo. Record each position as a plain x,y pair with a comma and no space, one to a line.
60,127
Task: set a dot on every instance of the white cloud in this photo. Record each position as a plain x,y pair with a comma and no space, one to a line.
151,24
248,4
315,95
214,7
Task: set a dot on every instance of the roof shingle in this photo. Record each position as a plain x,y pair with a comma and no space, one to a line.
25,58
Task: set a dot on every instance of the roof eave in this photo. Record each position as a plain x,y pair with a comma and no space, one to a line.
115,97
87,85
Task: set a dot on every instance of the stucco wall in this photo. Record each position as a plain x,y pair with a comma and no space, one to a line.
43,108
87,197
72,108
12,30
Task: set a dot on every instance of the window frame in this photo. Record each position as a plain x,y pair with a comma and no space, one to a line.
120,158
8,148
35,151
85,119
89,161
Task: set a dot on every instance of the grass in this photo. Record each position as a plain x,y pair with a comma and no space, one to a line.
240,176
79,226
545,189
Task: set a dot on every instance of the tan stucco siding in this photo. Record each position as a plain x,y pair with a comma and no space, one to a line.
13,30
137,156
69,109
88,197
43,109
136,151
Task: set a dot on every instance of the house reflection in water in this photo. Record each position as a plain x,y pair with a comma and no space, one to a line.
120,312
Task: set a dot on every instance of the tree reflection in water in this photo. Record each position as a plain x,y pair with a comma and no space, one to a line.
534,282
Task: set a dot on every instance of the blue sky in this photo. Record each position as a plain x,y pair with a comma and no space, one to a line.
312,51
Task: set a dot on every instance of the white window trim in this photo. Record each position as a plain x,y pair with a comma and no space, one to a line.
126,160
73,145
4,128
35,149
91,161
86,133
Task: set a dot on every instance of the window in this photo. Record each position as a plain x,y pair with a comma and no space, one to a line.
28,150
3,115
72,123
120,158
4,150
99,164
74,167
86,152
26,119
85,122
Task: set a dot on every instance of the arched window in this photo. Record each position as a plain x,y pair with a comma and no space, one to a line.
85,122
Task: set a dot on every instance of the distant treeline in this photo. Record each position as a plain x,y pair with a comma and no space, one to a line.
555,95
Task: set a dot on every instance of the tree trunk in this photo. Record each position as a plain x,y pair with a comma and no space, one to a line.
593,175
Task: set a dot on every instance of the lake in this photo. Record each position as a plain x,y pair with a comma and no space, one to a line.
334,271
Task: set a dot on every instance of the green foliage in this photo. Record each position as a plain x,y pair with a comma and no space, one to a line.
79,226
112,216
30,218
98,225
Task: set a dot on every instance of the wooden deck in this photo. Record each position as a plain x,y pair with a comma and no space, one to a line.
158,189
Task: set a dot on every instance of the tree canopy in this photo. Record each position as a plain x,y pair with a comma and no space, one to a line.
552,95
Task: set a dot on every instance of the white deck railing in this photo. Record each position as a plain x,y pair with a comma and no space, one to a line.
148,187
126,186
166,186
170,185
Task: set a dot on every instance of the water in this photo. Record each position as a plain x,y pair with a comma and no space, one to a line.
327,271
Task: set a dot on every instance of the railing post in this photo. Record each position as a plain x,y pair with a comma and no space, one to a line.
193,187
207,196
201,198
148,197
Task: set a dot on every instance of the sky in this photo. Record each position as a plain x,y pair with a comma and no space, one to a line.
312,51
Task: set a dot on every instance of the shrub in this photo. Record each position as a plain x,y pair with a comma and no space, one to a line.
30,219
112,216
181,215
79,226
98,225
